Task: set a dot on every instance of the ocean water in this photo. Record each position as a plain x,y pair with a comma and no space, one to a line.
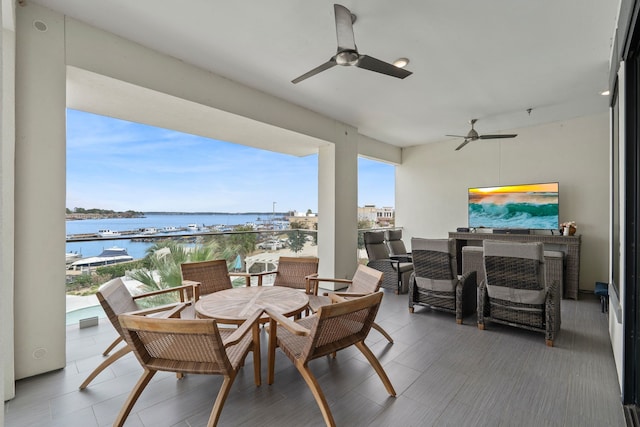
159,221
542,216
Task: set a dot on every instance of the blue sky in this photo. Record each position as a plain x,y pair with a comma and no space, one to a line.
120,165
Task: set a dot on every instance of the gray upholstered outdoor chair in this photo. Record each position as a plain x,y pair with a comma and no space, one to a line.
514,291
396,273
435,283
395,245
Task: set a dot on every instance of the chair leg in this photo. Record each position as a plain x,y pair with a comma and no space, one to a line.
112,346
382,331
375,363
549,343
133,397
256,354
273,343
311,381
101,367
222,397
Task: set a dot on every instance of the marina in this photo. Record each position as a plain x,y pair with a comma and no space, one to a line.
90,237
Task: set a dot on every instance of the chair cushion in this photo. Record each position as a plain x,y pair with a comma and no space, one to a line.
513,250
436,285
374,243
523,296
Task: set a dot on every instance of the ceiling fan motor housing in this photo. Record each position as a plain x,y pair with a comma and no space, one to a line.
347,57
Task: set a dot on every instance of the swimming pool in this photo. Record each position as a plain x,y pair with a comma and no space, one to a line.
73,317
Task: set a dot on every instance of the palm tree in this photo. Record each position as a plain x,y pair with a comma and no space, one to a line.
164,259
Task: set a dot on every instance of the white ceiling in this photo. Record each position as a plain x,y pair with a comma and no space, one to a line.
490,59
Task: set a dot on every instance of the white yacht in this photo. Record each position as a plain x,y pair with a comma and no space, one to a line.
108,233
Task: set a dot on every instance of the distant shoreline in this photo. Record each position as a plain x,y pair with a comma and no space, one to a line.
216,213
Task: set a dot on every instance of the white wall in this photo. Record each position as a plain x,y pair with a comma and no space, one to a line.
432,182
7,169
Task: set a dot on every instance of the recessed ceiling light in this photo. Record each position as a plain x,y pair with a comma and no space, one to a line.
401,62
605,93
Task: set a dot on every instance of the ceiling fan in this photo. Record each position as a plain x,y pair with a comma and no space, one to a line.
347,53
473,135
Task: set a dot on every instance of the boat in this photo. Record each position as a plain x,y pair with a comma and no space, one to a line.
108,233
193,227
149,230
108,256
71,257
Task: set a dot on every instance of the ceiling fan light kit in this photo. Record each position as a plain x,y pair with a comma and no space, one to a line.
473,135
347,54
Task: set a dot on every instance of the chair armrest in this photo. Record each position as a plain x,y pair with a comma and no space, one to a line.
335,298
247,277
289,324
261,275
171,309
346,294
314,280
468,279
191,284
242,330
401,258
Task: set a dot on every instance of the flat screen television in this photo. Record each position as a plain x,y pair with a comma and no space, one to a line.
527,206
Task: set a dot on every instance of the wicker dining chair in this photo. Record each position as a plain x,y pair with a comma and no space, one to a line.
212,275
292,272
187,346
515,292
334,327
396,272
435,282
115,299
366,280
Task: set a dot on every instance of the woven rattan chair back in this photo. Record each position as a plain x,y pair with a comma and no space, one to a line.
292,271
333,328
517,273
508,269
186,346
115,299
434,258
213,275
177,345
338,326
365,280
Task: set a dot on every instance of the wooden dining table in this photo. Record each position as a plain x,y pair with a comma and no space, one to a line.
234,306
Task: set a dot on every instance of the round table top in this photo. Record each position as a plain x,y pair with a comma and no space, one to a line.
237,304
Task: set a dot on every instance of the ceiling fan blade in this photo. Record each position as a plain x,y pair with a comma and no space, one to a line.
330,63
506,135
373,64
466,141
344,28
458,136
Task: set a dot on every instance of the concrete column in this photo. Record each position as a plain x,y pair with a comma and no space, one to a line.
40,182
7,171
338,205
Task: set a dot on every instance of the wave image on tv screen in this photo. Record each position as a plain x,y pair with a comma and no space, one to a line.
530,206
